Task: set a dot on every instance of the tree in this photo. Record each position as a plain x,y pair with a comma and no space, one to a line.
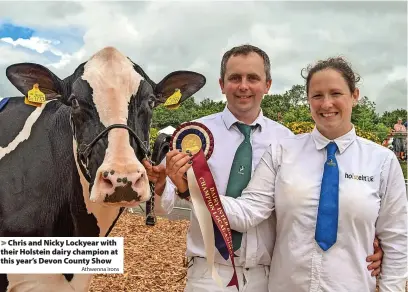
163,117
389,119
289,108
296,95
276,106
364,115
382,131
299,113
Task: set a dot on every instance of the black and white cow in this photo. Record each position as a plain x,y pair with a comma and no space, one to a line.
70,166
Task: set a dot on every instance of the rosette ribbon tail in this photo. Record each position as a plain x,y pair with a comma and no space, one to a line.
210,215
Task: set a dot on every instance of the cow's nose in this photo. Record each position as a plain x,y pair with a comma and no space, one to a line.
111,180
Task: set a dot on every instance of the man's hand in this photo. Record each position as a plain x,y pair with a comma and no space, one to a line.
375,259
177,164
156,175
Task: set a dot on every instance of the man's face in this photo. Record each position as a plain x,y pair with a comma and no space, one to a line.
245,84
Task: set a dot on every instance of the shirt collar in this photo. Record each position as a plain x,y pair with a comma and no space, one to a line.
229,119
342,142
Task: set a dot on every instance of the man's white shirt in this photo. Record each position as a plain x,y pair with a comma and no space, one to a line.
372,201
257,242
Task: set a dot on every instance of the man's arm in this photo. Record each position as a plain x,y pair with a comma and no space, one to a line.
392,228
257,201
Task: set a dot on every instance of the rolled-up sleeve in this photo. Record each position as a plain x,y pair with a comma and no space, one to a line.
257,201
392,228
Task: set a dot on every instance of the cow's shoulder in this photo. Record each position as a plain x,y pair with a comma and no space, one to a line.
12,119
18,118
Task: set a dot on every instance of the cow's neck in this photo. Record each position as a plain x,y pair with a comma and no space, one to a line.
105,215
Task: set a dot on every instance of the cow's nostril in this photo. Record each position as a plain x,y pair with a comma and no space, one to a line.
107,182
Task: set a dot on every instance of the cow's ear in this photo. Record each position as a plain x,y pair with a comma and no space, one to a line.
24,75
186,82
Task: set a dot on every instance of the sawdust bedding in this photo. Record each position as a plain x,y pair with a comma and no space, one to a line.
153,256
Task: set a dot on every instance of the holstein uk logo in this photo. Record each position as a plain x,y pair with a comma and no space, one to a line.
359,177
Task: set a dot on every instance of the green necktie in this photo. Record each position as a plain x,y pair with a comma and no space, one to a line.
240,174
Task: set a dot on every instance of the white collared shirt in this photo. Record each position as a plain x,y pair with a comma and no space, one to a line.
372,201
257,243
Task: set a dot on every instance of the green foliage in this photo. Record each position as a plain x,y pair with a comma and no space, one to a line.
188,110
364,115
299,113
381,131
300,127
390,118
404,168
289,108
368,135
153,135
307,127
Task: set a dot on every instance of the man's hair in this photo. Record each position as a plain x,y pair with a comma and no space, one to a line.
245,50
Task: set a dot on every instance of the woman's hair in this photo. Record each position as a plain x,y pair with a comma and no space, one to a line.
337,63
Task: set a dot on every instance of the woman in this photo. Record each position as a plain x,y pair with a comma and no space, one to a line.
333,192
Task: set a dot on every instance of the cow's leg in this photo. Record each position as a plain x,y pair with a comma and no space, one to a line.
3,282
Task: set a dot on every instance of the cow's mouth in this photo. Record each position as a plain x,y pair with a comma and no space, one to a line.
122,194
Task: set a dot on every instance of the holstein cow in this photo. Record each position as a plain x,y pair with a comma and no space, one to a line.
70,166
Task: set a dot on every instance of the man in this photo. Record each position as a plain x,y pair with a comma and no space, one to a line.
400,132
245,78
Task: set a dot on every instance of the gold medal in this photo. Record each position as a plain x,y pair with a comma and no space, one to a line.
191,143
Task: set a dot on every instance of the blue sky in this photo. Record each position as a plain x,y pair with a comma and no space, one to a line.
15,32
48,43
193,35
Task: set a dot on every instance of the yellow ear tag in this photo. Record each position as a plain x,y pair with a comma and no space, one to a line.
173,100
35,95
26,101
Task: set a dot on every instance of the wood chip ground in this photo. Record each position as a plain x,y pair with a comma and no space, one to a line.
154,257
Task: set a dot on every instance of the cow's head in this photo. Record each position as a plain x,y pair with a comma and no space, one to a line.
109,89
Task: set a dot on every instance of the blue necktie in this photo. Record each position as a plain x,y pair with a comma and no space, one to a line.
328,212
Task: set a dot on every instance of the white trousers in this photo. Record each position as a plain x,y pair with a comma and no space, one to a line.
250,280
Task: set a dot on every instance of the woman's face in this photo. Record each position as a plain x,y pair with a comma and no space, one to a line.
331,102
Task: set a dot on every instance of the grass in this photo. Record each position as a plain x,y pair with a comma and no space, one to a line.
404,168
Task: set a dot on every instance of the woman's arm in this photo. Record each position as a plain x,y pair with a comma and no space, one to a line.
257,201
